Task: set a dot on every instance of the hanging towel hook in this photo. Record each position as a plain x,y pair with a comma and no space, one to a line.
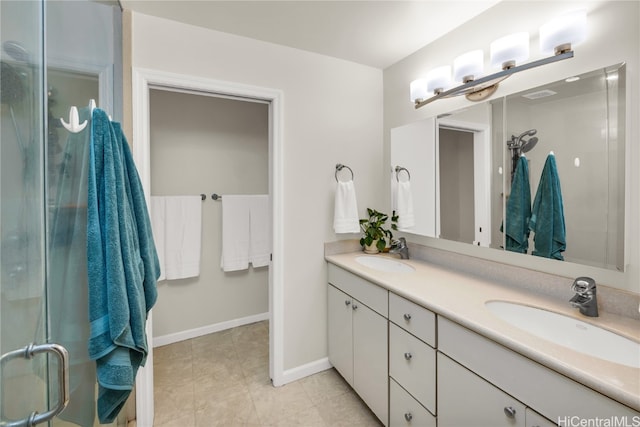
339,167
74,125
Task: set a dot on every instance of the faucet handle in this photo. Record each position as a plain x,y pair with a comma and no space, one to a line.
583,285
400,242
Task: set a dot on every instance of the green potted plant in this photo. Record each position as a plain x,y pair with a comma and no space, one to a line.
376,236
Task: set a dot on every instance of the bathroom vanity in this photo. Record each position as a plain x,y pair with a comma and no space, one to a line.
420,346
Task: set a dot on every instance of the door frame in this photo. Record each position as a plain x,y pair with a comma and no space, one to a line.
142,81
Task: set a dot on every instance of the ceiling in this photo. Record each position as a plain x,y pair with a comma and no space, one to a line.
374,33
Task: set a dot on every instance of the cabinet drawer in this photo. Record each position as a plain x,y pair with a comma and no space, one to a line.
413,318
412,364
373,296
465,399
404,410
551,394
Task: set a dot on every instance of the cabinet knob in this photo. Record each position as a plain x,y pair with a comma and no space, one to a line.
408,416
354,306
408,356
407,317
510,412
347,302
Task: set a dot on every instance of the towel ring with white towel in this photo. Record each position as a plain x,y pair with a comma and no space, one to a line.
345,216
403,199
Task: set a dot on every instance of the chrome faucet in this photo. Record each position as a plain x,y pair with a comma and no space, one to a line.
585,297
399,246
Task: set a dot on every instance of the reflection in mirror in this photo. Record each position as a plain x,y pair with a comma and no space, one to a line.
461,165
580,120
463,152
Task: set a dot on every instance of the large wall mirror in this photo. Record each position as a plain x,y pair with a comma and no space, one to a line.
460,166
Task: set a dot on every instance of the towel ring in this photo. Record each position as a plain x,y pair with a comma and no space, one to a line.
339,167
400,169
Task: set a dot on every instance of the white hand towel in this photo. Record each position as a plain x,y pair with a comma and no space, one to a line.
260,231
236,221
345,218
406,218
158,226
183,236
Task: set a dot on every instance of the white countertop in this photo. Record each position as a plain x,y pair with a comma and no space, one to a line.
461,298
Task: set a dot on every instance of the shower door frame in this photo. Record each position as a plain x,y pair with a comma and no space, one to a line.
144,79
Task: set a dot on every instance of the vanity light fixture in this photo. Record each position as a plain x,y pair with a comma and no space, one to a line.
558,36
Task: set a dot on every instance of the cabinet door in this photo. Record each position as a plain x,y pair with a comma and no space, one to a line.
370,371
340,332
466,400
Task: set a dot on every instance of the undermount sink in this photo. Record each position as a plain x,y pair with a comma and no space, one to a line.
386,265
569,332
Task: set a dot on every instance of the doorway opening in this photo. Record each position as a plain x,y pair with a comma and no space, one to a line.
143,82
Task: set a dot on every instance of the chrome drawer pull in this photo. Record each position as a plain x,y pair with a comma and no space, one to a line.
407,317
408,356
347,302
510,412
408,416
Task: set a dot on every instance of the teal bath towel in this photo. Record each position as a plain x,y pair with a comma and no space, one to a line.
547,217
122,265
519,210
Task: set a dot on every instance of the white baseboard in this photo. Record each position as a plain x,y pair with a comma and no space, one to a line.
300,372
209,329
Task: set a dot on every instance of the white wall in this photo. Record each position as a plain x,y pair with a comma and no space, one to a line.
204,144
332,114
613,37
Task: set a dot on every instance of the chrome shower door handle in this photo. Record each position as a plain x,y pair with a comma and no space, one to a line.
62,356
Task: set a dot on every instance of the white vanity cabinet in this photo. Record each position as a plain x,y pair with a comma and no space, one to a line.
358,337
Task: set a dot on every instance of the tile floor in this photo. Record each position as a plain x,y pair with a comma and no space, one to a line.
222,379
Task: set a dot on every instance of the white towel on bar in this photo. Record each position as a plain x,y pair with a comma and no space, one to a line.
260,231
236,221
246,232
183,236
404,209
345,217
158,226
177,232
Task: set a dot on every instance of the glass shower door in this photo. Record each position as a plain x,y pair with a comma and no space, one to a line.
43,202
23,296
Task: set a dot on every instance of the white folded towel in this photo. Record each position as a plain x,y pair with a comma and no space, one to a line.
236,221
156,212
183,236
260,231
345,218
404,209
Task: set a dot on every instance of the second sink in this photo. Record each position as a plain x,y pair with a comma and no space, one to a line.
569,332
